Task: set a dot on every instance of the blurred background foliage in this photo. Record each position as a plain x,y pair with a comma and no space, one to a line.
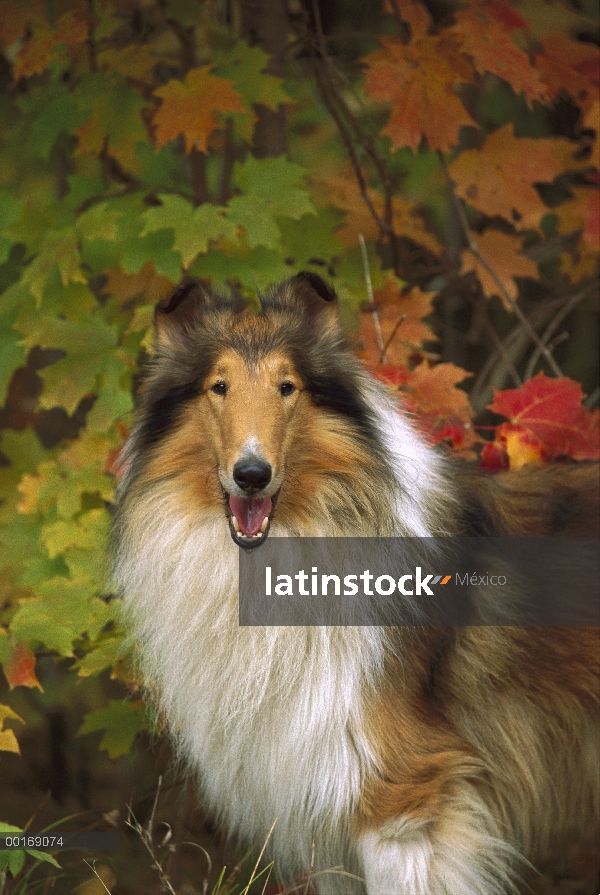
436,161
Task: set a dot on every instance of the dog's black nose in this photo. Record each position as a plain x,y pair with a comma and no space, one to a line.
252,474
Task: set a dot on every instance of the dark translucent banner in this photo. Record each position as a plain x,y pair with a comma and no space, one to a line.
421,581
57,841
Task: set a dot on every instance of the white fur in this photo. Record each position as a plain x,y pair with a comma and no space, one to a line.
465,854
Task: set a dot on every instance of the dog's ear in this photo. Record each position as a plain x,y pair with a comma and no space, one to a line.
176,314
318,298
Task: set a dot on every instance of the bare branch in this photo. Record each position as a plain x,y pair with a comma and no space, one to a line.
555,323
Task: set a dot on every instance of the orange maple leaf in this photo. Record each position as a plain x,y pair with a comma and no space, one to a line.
20,668
547,416
443,410
188,107
485,31
34,56
499,178
413,14
503,254
419,81
17,16
581,213
345,194
401,321
570,67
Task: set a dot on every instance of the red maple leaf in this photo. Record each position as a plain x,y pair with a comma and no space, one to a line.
548,413
20,668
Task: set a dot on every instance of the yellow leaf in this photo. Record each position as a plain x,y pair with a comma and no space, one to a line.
8,740
521,450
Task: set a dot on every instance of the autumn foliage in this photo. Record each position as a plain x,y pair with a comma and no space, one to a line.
444,177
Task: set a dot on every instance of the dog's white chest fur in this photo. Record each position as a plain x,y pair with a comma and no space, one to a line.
270,717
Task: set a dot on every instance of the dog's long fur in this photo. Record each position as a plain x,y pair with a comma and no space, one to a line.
431,762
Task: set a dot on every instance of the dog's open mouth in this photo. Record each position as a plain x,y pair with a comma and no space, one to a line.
249,518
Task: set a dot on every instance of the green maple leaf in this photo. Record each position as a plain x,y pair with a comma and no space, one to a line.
277,183
98,222
243,65
62,611
122,721
105,654
10,211
255,269
193,227
49,111
59,248
114,119
12,354
89,345
257,220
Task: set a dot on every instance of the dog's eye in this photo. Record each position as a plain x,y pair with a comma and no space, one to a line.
286,388
219,388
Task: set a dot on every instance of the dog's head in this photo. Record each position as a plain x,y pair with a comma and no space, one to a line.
253,412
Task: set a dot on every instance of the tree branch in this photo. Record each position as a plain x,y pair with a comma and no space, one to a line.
474,249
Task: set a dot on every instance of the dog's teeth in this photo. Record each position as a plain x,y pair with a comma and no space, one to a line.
235,523
265,522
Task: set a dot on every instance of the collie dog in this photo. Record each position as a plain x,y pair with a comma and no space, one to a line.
433,761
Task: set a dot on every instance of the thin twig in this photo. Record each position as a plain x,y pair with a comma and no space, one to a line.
335,102
555,323
474,249
146,837
365,259
95,872
491,330
592,399
390,339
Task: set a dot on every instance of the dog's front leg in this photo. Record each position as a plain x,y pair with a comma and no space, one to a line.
460,850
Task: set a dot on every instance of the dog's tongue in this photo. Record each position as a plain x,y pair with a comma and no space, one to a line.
250,512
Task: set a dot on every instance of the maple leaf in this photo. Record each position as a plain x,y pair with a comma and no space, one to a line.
8,740
503,254
570,67
132,61
121,721
344,193
419,80
400,318
520,447
115,122
19,667
548,415
36,53
146,286
193,227
484,29
413,14
17,16
590,122
243,66
494,457
499,178
188,107
581,213
442,411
